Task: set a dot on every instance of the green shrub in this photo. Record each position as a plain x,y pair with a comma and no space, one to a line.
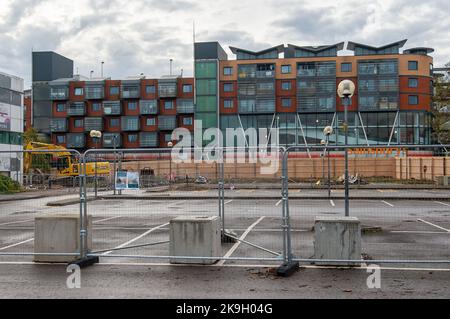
7,185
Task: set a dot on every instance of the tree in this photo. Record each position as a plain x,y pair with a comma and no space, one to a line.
441,109
31,135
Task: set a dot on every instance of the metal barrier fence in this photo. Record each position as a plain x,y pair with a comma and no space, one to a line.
266,215
400,225
46,172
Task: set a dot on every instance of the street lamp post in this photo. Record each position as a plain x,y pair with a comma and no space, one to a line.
170,145
327,131
346,89
115,159
96,135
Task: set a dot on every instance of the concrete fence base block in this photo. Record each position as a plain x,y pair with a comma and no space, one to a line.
195,236
337,238
59,234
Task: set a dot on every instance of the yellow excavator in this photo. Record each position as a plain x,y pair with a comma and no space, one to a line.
67,164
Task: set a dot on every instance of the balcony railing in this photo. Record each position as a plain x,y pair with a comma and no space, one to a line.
94,92
185,106
112,108
111,140
131,92
59,93
148,139
148,107
93,123
76,109
76,140
167,89
265,74
58,125
167,122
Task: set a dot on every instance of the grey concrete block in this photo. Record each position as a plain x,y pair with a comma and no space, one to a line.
337,238
59,234
195,236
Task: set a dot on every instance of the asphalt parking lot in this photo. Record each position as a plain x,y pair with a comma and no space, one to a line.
406,229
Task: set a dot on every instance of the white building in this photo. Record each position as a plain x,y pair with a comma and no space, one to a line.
11,126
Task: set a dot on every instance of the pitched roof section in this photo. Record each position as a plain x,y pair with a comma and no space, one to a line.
278,48
352,45
316,49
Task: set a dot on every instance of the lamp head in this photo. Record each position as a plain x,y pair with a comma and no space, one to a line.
323,142
170,144
346,89
95,134
327,131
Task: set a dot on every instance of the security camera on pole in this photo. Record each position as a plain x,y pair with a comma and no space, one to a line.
346,90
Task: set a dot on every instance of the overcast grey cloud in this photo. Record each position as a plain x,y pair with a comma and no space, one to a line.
137,36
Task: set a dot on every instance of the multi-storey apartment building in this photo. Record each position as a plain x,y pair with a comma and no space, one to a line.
131,113
292,88
11,125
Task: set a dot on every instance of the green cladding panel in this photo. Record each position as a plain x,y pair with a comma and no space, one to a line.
206,69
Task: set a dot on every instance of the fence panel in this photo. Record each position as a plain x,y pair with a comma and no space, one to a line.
396,193
39,182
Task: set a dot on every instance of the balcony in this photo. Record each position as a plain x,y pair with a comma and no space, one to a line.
265,74
148,139
76,140
130,123
265,106
94,92
112,108
185,106
167,88
131,89
59,93
111,140
93,123
58,125
76,109
148,107
167,123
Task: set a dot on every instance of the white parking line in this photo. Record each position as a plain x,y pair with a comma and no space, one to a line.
106,219
389,204
19,222
417,232
445,204
229,201
434,225
17,244
176,204
236,245
137,238
278,203
332,203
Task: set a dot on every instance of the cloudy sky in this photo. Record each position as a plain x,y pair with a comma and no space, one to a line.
140,36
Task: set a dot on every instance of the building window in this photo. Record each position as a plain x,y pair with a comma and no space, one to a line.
114,122
60,139
346,67
286,102
228,104
79,91
96,107
228,87
187,88
285,69
228,70
413,65
168,105
187,121
286,86
132,106
150,89
168,137
132,138
413,100
78,123
60,107
151,121
114,90
413,83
